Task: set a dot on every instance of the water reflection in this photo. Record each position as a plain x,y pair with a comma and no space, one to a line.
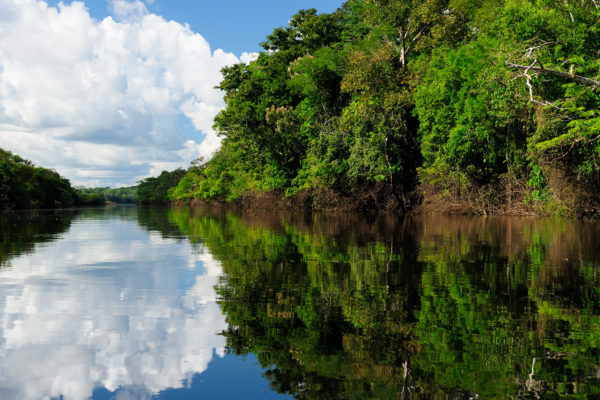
110,305
331,306
382,307
21,230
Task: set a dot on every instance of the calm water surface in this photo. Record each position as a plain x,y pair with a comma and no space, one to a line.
131,303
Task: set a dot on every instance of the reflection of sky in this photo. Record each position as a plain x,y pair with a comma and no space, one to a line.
107,305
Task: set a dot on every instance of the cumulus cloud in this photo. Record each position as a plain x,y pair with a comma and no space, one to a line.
100,101
107,305
128,10
247,58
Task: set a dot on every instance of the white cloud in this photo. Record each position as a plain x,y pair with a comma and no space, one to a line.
99,101
247,58
95,310
128,10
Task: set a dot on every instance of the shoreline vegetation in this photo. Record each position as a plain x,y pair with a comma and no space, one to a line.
487,107
26,186
434,107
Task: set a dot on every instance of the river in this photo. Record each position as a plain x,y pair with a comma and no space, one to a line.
180,303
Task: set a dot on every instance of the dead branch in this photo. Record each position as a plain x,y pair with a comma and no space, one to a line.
416,37
569,11
582,80
529,51
527,77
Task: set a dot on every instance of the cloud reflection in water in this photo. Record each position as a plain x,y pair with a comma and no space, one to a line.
107,305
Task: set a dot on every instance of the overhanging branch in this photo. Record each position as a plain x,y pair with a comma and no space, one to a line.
582,80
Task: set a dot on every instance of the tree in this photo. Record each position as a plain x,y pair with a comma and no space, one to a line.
155,190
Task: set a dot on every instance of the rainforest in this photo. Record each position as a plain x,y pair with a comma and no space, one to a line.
451,106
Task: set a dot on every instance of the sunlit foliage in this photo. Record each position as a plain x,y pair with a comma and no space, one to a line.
382,97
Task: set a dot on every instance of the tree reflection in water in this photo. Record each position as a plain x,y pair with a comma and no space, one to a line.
348,306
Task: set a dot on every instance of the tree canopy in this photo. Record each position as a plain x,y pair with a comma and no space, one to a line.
415,101
23,185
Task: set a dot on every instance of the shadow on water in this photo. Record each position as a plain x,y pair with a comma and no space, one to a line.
351,306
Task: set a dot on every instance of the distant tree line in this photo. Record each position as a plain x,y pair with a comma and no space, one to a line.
26,186
124,195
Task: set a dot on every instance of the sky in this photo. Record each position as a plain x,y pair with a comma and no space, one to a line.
108,92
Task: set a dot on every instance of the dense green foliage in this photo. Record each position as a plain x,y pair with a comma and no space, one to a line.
23,185
155,190
385,96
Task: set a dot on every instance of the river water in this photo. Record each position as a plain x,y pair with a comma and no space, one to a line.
134,303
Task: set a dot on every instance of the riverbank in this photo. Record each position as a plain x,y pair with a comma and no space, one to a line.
508,198
321,199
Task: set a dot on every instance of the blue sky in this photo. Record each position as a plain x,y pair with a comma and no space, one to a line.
232,25
110,101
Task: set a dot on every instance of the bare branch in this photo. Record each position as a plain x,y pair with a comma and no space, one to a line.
407,29
403,49
529,51
527,77
569,11
582,80
416,37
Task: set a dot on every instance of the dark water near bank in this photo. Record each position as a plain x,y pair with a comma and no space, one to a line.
131,303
